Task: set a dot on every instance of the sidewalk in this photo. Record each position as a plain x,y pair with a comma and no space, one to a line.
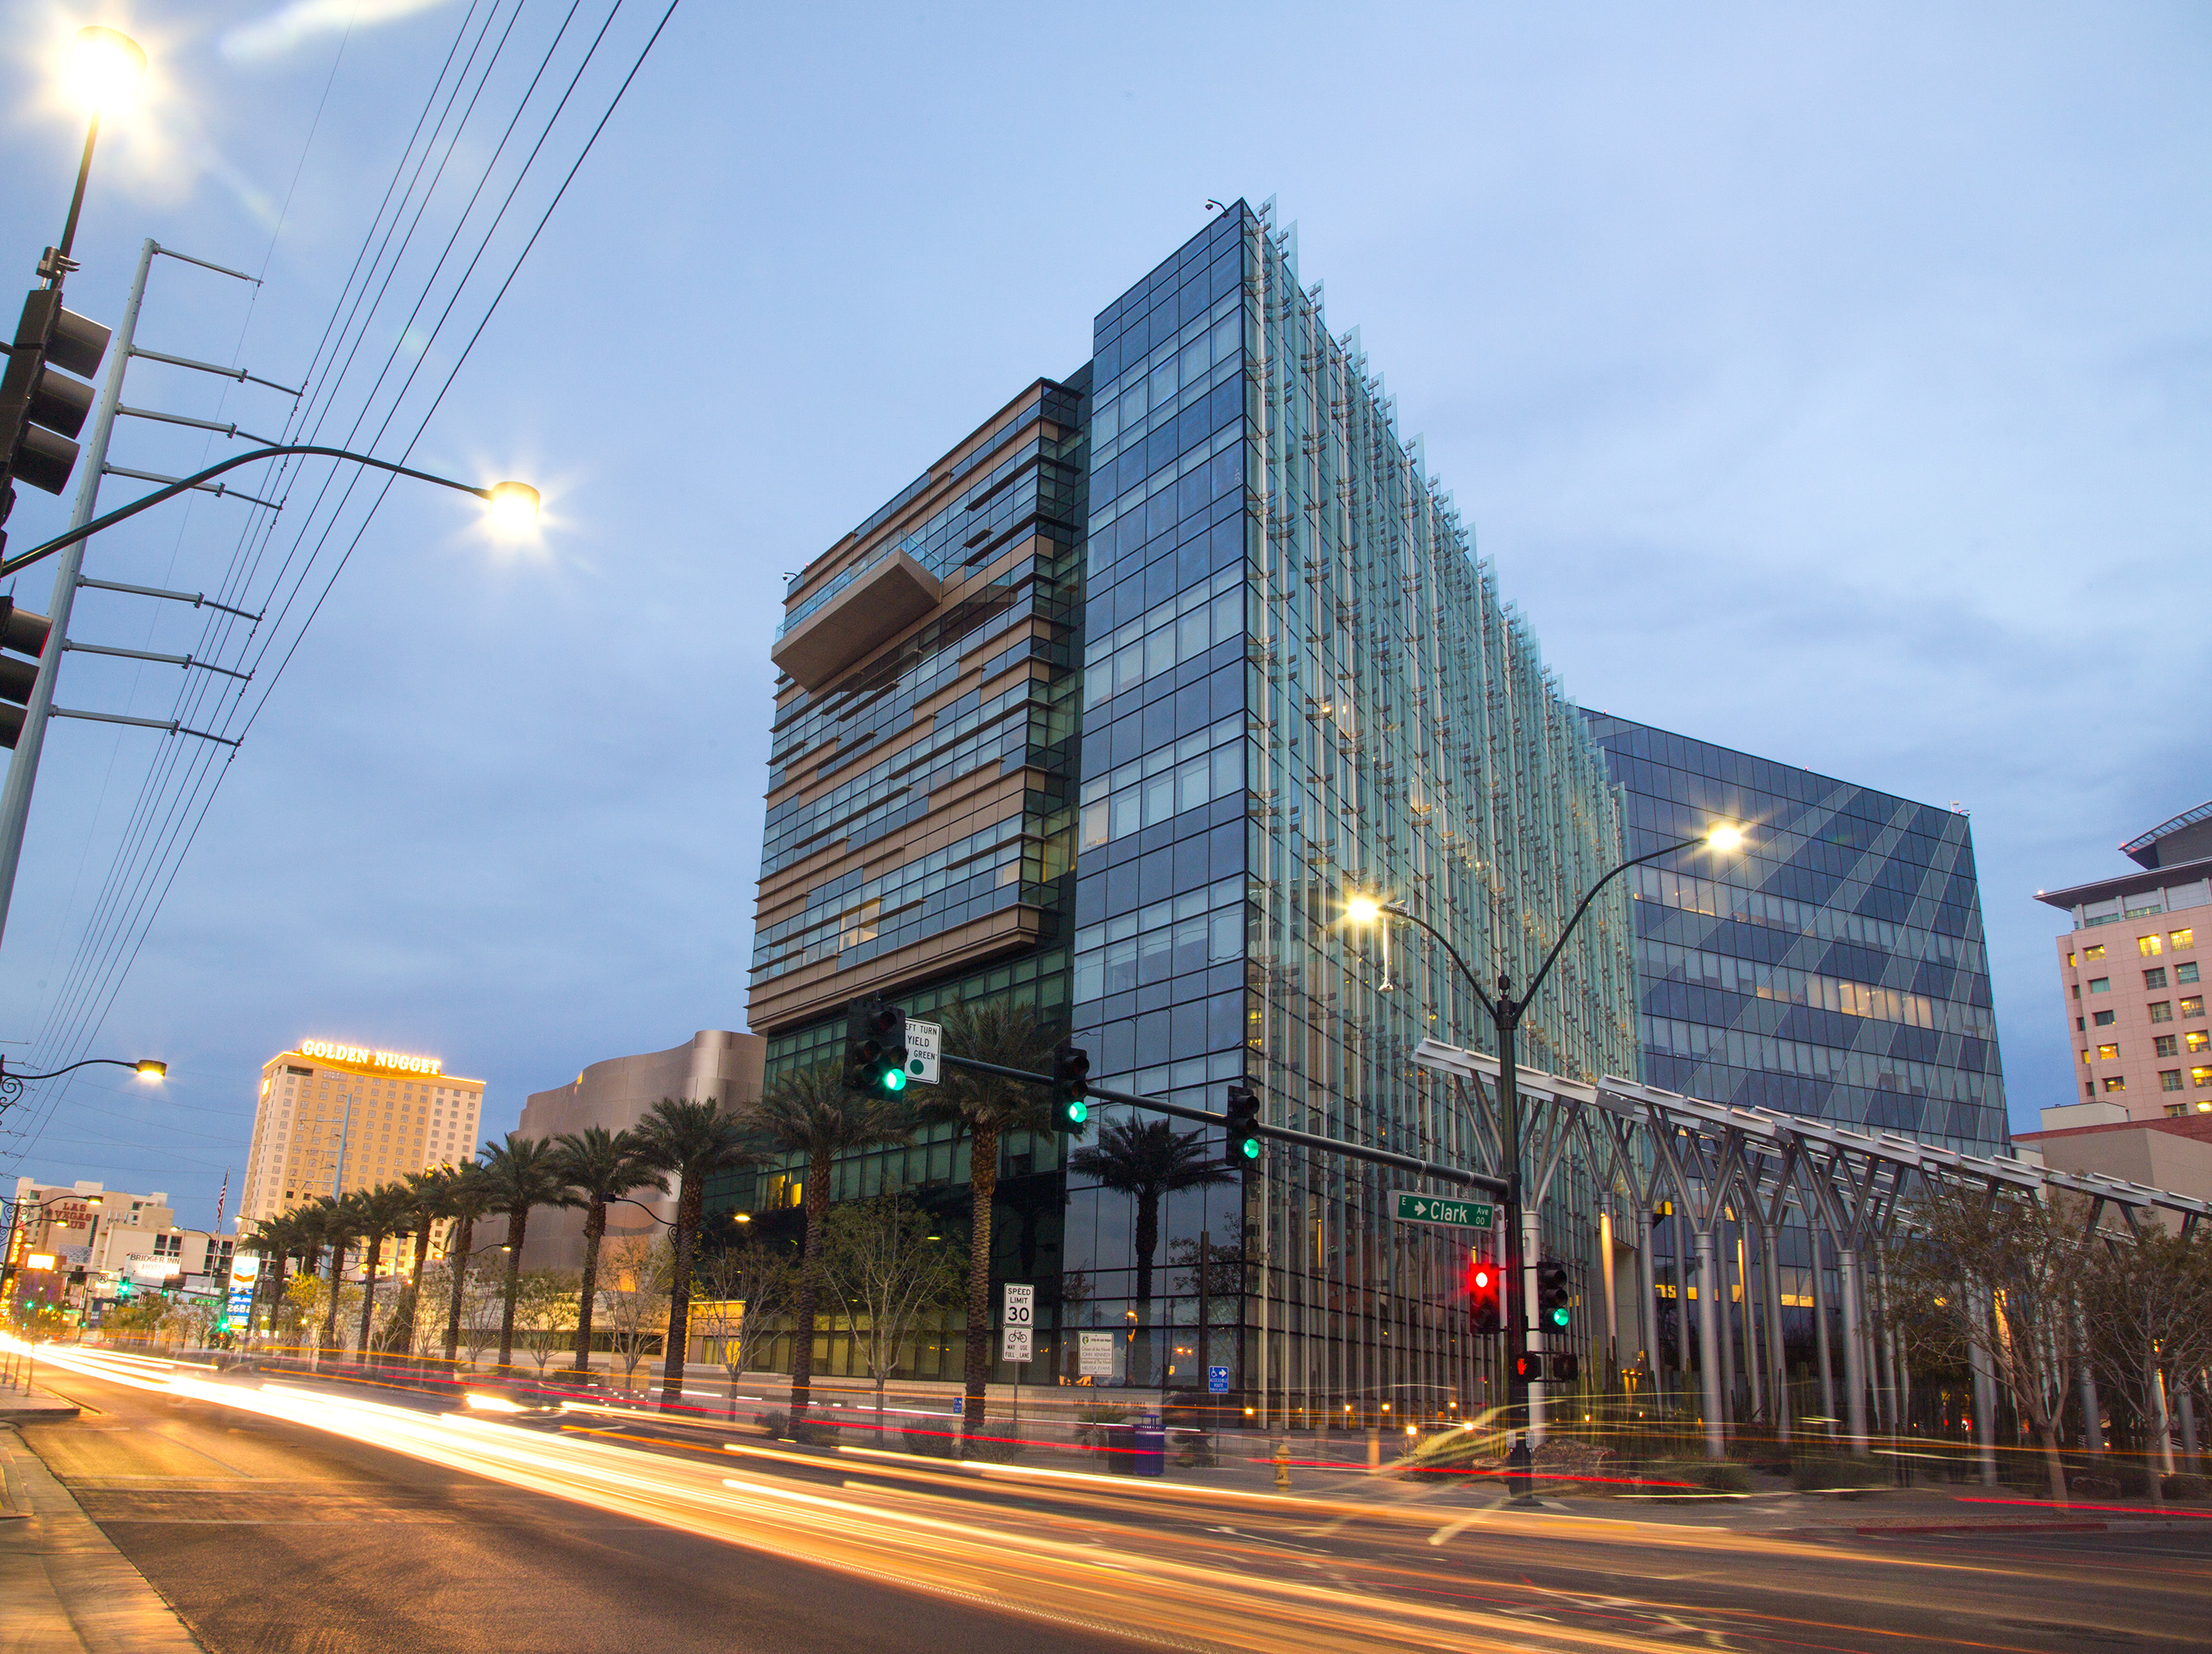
67,1590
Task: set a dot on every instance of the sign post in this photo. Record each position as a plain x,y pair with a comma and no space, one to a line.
1018,1330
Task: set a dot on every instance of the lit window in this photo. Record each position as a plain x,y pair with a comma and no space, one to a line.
2182,939
2094,951
2101,984
2149,945
2085,1054
2115,1082
2154,977
2161,1011
2167,1045
2185,971
2069,962
2198,1039
2104,1019
2193,1005
2108,1054
2200,1076
2169,1080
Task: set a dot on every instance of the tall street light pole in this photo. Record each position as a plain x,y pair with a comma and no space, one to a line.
1507,1011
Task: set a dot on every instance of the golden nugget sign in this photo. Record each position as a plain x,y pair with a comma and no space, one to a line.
396,1061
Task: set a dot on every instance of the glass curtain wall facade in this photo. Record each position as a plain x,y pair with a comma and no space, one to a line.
1834,969
1297,680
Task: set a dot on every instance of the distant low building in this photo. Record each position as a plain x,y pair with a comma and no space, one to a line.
617,1094
2129,967
2098,1137
93,1239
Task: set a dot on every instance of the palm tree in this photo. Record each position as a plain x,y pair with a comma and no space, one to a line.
692,1140
523,1172
468,1196
426,1204
382,1210
340,1220
811,1112
601,1166
1146,1159
986,1107
275,1239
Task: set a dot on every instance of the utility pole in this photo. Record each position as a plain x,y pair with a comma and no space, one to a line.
23,767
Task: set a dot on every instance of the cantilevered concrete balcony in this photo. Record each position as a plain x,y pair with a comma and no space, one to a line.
882,600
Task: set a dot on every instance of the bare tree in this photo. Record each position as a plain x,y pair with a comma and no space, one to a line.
633,1293
2147,1305
1983,1277
885,1272
744,1292
545,1306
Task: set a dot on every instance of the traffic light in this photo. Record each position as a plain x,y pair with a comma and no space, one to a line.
1528,1368
1070,1088
23,632
1565,1367
1485,1290
1552,1295
1243,1124
42,407
875,1047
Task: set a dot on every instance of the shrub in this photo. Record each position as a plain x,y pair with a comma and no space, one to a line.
931,1443
2185,1486
1688,1478
1853,1478
988,1450
2093,1487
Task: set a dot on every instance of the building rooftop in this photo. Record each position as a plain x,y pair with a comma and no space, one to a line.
2150,849
2140,884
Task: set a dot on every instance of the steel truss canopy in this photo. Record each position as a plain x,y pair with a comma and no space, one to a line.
1777,1133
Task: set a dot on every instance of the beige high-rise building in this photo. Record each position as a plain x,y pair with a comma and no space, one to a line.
333,1118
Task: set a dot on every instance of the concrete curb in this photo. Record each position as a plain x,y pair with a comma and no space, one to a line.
68,1590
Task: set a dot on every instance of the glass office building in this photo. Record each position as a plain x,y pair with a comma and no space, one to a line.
1120,751
1835,968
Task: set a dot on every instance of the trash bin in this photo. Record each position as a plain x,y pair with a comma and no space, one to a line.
1149,1445
1111,1442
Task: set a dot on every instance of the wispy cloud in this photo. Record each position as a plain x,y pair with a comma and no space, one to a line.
292,26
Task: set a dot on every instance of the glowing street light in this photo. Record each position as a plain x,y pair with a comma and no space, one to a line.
105,69
513,508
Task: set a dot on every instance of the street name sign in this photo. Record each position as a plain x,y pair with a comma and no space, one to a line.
1430,1208
923,1041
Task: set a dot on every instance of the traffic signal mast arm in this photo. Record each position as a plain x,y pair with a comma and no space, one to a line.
1280,1134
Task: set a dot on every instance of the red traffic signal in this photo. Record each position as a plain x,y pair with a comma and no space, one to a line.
1485,1294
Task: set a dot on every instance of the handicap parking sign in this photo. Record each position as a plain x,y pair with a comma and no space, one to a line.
1217,1381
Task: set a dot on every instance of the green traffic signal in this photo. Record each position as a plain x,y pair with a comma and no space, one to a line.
892,1081
1559,1317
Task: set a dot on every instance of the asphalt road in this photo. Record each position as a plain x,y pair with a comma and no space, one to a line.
272,1535
269,1537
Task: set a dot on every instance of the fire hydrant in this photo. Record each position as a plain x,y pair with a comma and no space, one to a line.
1282,1466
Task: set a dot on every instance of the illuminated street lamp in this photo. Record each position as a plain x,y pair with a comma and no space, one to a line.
103,72
1506,1009
11,1086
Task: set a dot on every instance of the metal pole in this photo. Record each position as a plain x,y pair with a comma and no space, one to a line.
1986,1397
23,767
1519,1265
1717,1281
1708,1339
1647,1315
1825,1355
2092,1413
1855,1374
1777,1354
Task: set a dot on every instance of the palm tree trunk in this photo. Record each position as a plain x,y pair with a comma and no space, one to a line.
1148,1237
516,1222
464,1235
677,1346
414,1283
595,1225
330,1310
802,1315
368,1293
983,1189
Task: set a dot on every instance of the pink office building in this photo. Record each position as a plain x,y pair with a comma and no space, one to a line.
2129,968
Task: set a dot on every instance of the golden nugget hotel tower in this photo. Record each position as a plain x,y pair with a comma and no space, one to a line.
333,1118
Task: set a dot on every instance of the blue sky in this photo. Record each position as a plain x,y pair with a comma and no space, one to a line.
1830,384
